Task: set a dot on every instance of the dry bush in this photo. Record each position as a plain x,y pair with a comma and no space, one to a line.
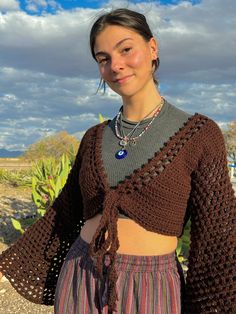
53,146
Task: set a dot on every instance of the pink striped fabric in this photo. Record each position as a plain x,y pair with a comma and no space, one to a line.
146,284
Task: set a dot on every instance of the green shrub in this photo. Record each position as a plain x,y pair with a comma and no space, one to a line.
16,177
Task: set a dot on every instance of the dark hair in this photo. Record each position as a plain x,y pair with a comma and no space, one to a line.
128,19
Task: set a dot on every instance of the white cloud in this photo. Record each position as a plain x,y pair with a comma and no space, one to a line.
9,97
54,44
32,7
223,125
35,6
214,100
44,105
9,5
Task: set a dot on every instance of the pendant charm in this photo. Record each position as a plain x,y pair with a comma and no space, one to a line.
123,143
132,143
121,154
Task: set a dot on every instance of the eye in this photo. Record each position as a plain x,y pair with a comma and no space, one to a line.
102,61
126,50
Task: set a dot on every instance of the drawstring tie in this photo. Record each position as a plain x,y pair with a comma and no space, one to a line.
103,248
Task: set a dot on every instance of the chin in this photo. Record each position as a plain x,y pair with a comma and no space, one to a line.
125,91
129,89
125,94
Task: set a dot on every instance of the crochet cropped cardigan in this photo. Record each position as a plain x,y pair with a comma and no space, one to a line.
188,177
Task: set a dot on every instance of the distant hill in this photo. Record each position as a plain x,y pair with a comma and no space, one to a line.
4,153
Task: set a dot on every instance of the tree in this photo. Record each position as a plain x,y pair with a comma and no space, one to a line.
230,140
52,146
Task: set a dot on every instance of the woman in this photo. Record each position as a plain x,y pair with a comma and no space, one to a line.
136,180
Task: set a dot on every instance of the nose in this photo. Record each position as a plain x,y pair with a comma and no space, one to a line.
116,64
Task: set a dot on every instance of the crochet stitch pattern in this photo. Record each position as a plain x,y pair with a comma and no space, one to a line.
188,177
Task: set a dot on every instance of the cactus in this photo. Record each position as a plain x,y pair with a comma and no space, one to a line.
17,225
48,181
49,177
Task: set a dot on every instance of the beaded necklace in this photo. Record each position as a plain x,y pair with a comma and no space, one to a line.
128,139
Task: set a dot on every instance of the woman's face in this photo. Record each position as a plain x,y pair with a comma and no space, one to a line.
125,59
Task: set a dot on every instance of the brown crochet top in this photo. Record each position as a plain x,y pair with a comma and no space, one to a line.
187,177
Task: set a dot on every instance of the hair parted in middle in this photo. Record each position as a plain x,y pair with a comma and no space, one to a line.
125,18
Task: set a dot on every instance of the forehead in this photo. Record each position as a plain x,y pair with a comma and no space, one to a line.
112,34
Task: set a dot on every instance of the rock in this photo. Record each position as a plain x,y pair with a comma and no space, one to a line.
3,247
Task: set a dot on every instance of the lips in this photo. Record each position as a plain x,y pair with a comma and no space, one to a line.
123,79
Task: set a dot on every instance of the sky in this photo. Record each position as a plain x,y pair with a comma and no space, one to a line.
48,78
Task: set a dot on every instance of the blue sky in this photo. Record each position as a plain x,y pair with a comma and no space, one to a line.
95,4
48,78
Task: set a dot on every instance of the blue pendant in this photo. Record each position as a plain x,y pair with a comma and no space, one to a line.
120,154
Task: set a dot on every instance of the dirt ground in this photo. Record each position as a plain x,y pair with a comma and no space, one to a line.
14,202
11,302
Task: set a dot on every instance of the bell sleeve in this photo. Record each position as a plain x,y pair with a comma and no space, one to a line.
211,276
32,264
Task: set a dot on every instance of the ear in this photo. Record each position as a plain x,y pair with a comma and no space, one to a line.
153,48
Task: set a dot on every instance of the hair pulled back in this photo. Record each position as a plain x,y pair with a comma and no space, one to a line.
125,18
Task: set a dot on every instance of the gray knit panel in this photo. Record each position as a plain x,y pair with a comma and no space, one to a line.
169,120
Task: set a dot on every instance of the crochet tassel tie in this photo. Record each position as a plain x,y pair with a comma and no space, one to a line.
103,248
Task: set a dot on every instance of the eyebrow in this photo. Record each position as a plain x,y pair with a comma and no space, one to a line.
116,46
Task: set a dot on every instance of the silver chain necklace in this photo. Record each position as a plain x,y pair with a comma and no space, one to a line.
128,139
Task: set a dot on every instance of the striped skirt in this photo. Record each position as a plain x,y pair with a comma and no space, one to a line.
145,285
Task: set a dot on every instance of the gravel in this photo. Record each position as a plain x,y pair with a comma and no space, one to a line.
11,302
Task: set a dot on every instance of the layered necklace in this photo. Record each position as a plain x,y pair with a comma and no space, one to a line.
128,138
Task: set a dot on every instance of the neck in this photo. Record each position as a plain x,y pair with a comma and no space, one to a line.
138,106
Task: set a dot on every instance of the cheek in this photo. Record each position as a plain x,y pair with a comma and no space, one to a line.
138,60
104,72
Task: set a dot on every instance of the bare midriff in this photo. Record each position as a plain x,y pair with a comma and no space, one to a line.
133,239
